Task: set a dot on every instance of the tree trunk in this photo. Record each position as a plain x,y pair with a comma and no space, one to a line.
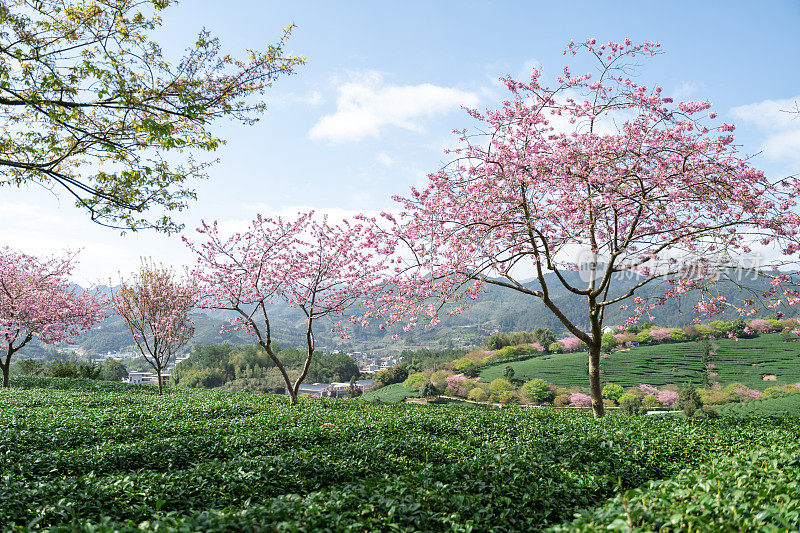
160,392
292,396
594,381
5,374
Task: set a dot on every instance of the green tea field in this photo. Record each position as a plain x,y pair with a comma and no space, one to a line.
746,361
93,456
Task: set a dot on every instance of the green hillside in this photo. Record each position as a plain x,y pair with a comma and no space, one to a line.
745,361
97,456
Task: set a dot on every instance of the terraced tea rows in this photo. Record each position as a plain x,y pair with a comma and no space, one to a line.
746,361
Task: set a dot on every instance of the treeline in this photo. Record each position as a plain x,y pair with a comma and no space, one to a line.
109,370
250,368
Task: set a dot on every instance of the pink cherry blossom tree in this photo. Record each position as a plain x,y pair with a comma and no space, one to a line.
154,305
37,301
596,174
320,268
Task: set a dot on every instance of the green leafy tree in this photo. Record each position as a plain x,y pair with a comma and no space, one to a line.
92,107
508,373
689,400
30,367
112,370
539,390
613,391
395,374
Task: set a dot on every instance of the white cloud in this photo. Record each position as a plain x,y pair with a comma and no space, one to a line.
366,104
780,121
385,159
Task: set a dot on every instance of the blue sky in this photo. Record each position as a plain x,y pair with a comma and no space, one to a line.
370,113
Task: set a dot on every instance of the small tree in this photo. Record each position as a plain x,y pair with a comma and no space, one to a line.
154,305
37,301
113,370
508,373
689,400
320,268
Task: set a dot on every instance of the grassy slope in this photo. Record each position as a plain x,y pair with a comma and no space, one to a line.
391,394
745,361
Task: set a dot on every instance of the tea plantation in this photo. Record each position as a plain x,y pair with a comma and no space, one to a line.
744,361
94,456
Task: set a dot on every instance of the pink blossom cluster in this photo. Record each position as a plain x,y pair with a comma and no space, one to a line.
570,344
746,393
648,389
456,382
760,325
660,334
578,399
667,398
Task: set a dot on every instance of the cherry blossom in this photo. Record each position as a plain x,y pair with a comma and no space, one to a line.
38,301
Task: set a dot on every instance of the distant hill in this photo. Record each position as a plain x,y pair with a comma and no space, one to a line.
497,309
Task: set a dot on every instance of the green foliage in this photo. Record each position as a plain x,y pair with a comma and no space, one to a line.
112,370
250,368
477,395
607,342
426,359
465,366
428,389
650,401
751,490
498,341
508,373
415,379
500,385
677,335
539,390
396,374
92,455
644,337
29,367
688,399
613,391
629,404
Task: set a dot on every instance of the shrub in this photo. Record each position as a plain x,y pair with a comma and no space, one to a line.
677,335
578,399
660,334
613,392
414,379
428,389
689,400
667,398
477,395
500,385
556,347
650,401
609,402
464,365
507,398
561,400
539,390
396,374
629,404
644,337
709,412
607,342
